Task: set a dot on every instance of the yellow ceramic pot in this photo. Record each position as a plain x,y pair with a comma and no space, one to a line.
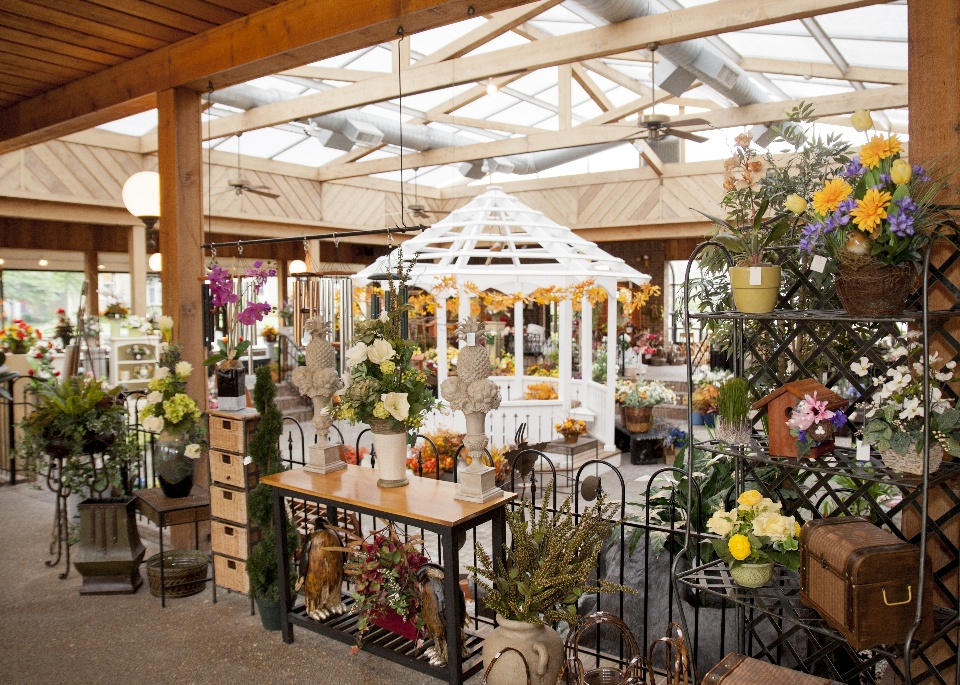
756,298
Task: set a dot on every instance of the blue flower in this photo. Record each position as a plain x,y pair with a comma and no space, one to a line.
847,205
885,178
854,168
901,224
839,419
920,174
802,436
906,204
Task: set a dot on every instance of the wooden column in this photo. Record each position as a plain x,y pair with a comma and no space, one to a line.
282,296
137,246
92,275
181,226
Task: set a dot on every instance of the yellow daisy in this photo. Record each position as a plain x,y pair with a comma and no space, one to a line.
834,192
871,210
878,149
893,145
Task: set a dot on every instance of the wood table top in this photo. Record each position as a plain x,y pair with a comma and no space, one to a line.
424,499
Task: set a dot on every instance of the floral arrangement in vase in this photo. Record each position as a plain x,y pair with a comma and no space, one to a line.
40,357
64,328
137,352
269,334
753,536
571,429
705,399
173,414
386,592
649,394
813,424
115,310
540,391
19,336
873,218
895,411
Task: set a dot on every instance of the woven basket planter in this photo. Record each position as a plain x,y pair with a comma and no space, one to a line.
184,572
912,462
867,289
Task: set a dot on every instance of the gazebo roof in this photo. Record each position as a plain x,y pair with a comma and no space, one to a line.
496,241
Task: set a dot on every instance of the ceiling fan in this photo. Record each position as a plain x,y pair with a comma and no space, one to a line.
240,185
659,125
415,209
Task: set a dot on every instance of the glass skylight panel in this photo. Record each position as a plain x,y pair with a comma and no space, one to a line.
487,106
504,40
343,60
586,107
262,142
873,53
522,113
560,28
806,89
268,82
873,23
309,153
378,59
134,125
427,42
763,45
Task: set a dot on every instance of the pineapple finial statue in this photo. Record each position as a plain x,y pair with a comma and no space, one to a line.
319,380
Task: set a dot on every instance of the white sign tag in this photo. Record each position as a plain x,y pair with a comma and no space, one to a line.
755,275
863,451
471,338
819,263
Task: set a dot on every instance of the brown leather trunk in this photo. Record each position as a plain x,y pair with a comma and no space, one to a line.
862,581
737,669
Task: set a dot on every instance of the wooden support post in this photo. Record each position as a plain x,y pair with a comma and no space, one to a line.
92,275
137,248
282,267
181,229
401,54
565,96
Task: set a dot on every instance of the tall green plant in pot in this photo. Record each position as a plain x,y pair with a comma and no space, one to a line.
540,581
265,452
733,412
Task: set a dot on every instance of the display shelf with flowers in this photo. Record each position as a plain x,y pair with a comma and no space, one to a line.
40,358
443,441
384,390
237,294
571,429
115,313
504,366
814,426
873,219
753,537
174,415
895,411
64,329
18,337
636,407
269,334
137,352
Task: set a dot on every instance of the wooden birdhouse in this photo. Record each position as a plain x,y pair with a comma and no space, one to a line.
780,405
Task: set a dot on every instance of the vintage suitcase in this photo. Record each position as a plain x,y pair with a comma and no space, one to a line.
862,581
737,669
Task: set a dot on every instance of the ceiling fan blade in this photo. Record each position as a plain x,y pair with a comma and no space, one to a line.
263,193
689,122
685,135
250,187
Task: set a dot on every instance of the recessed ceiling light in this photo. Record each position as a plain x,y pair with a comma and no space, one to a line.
1,262
100,266
43,262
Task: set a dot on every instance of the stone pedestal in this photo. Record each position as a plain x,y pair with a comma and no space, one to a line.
324,459
478,485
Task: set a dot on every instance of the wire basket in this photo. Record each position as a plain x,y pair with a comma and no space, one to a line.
184,572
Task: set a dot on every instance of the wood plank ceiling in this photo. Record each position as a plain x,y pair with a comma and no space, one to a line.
48,43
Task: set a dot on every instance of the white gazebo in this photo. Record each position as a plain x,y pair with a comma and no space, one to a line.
497,243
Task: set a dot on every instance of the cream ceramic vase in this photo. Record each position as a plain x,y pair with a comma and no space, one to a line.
540,645
391,449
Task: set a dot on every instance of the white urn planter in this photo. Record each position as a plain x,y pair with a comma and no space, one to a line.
391,449
540,645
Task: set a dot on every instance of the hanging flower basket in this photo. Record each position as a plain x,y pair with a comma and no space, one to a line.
866,288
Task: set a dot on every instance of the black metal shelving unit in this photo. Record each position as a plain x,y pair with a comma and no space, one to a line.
808,335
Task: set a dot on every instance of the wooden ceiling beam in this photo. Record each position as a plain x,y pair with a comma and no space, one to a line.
591,133
592,89
669,27
331,73
823,70
287,35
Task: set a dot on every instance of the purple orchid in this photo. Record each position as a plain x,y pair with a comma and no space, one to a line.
255,311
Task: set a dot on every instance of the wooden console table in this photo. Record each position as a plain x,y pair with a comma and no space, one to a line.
424,503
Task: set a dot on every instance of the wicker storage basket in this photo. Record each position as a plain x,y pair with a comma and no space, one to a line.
636,419
911,462
737,669
184,572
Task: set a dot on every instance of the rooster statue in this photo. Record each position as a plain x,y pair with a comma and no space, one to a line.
432,609
321,573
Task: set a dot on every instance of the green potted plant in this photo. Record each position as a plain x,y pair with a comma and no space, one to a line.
636,406
753,536
541,579
733,410
264,450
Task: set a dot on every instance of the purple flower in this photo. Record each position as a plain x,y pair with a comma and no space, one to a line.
906,204
255,311
839,419
885,178
811,235
829,223
847,205
802,436
920,173
221,286
854,168
901,224
841,219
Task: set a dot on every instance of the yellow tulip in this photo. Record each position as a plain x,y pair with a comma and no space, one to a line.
900,172
861,120
795,204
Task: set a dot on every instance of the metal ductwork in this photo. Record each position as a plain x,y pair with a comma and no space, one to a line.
688,60
341,130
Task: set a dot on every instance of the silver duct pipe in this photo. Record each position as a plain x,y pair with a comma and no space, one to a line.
415,136
695,57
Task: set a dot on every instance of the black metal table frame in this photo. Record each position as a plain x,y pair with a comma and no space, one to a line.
448,536
161,524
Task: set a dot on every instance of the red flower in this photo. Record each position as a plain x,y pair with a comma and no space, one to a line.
39,334
39,355
61,311
30,372
21,335
56,373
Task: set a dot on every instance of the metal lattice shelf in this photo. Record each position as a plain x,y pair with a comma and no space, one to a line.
824,315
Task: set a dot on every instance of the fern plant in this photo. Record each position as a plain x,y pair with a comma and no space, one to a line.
546,567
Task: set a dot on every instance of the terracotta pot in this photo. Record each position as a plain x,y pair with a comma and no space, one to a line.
637,419
752,575
758,297
541,646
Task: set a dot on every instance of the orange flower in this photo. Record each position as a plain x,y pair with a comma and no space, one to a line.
834,192
871,210
878,149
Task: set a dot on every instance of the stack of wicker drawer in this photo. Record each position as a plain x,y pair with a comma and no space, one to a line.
231,533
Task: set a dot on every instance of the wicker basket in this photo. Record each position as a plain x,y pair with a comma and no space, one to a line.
912,462
636,419
867,289
184,572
